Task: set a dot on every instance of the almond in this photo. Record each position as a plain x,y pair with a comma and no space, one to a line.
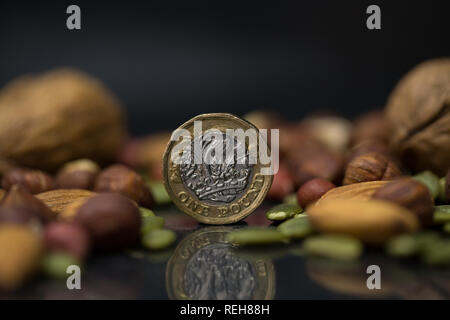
361,191
58,200
372,221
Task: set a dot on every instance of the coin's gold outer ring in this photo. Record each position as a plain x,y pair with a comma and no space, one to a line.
216,214
176,266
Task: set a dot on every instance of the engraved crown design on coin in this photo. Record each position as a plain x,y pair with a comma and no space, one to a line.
217,182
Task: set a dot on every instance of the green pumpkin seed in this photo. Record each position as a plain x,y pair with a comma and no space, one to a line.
446,227
296,228
441,214
283,211
159,192
426,239
438,254
256,236
146,212
55,264
151,223
442,195
291,199
158,239
403,246
334,247
431,180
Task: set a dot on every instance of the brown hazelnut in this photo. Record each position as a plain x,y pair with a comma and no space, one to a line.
20,252
112,220
19,216
79,174
282,185
65,236
370,167
120,179
312,190
410,194
369,146
32,180
18,197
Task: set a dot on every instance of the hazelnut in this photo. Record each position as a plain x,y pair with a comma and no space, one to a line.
18,197
19,216
370,167
312,191
282,185
68,237
369,146
32,180
120,179
20,252
410,194
112,220
79,174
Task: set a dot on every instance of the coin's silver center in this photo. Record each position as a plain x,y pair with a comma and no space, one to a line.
218,182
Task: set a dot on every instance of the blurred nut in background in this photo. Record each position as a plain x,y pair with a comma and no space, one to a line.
32,180
312,190
19,198
371,126
68,237
282,184
63,114
58,200
120,179
19,216
314,161
419,113
144,152
2,194
333,132
410,194
79,174
370,167
20,252
112,220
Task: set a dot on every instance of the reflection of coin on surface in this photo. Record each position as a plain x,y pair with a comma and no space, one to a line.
212,178
203,267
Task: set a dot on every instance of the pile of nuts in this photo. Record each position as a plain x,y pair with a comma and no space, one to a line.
379,181
61,195
60,220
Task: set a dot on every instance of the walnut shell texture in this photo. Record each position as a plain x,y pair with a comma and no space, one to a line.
49,119
419,112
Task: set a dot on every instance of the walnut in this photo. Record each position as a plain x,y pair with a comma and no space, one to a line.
419,112
49,119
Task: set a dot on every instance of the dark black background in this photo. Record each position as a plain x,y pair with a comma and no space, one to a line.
168,62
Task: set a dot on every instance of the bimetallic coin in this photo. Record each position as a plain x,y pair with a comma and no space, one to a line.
212,174
203,267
